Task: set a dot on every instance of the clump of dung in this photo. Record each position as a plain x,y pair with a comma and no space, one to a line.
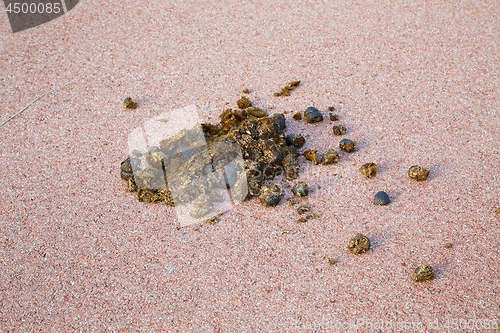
423,273
270,194
368,170
330,157
129,103
312,115
300,189
347,145
339,130
246,150
358,244
418,172
243,102
311,155
285,91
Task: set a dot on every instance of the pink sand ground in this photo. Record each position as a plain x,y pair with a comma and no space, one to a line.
414,82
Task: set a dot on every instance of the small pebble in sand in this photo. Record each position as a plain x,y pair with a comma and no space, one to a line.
300,189
330,157
331,261
448,245
270,194
347,145
418,172
312,115
496,210
129,103
423,273
339,130
358,244
381,199
333,117
311,155
368,170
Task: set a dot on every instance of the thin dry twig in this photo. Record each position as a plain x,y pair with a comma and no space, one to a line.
32,102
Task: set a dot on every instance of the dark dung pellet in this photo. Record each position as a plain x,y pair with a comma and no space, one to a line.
358,244
296,140
303,209
310,216
330,157
423,273
147,195
126,175
126,166
312,115
300,189
333,117
131,186
293,150
270,194
418,172
311,155
368,170
339,130
297,116
381,199
129,103
243,102
347,145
